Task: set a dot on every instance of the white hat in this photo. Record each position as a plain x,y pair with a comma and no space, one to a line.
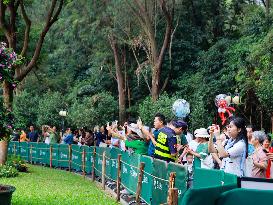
202,132
134,128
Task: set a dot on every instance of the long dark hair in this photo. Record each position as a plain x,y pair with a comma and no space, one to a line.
240,123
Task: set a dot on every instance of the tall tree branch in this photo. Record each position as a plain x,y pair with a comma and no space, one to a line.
49,21
168,31
3,24
27,29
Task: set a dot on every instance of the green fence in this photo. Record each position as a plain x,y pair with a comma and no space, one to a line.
156,174
76,157
64,156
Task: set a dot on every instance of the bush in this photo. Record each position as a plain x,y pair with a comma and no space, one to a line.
8,171
17,163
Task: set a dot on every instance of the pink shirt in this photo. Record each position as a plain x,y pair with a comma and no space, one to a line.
259,157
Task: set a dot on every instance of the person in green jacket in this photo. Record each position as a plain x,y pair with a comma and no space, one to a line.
133,140
53,136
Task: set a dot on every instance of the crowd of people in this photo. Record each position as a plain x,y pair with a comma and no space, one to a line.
235,148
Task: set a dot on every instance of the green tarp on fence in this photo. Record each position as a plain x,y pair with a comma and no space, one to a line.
147,182
129,170
10,148
208,178
55,155
14,148
98,160
114,166
76,157
63,155
156,172
33,152
24,151
88,158
180,179
160,187
108,163
43,152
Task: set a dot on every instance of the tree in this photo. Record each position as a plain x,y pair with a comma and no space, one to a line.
145,13
9,24
119,78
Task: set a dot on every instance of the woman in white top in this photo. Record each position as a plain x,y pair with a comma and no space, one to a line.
234,152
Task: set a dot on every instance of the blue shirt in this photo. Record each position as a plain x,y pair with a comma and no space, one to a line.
250,149
100,138
68,139
151,148
33,136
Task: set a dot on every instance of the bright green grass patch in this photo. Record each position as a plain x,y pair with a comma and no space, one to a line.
50,186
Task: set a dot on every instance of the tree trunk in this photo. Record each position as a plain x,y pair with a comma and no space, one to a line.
3,152
155,83
156,53
267,8
7,94
120,81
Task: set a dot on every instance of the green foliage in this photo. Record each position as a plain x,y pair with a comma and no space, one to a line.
48,186
6,122
148,108
16,162
90,111
199,116
49,107
8,171
25,109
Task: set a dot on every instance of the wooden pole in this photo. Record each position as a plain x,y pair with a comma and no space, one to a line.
139,183
171,187
83,162
50,156
119,177
103,169
173,196
30,154
93,165
14,149
70,156
172,180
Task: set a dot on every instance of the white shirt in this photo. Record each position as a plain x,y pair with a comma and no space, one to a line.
193,145
189,137
232,164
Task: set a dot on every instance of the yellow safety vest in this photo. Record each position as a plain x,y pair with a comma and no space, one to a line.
162,150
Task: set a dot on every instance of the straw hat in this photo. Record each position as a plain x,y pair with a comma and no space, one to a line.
134,127
202,132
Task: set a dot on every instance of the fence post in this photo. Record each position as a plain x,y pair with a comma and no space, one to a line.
14,149
118,177
93,165
30,153
172,180
50,156
139,183
83,162
172,192
173,196
70,156
103,169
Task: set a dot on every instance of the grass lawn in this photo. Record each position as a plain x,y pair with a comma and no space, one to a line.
50,186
